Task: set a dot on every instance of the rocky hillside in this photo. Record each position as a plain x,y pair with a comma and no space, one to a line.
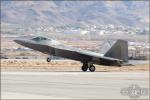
75,13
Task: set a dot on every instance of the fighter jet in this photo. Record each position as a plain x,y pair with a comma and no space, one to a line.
115,54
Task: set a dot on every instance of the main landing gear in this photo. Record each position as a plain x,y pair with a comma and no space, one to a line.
87,66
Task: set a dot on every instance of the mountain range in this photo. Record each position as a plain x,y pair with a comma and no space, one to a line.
75,13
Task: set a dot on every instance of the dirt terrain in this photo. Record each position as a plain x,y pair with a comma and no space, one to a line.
61,65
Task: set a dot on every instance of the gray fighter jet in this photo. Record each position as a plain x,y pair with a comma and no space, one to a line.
115,53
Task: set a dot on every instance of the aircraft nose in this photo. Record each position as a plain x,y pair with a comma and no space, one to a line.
19,41
16,41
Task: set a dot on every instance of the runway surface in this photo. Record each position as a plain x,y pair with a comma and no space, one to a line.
70,85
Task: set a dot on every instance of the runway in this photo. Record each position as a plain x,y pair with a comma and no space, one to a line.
70,85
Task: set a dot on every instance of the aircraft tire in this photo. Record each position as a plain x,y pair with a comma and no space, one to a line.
48,59
84,68
92,68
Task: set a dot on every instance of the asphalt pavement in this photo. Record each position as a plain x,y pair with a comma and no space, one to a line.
72,85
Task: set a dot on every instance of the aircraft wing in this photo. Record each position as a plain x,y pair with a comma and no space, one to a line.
115,55
118,51
84,55
96,55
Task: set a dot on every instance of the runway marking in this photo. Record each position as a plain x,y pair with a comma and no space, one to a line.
12,95
37,73
105,74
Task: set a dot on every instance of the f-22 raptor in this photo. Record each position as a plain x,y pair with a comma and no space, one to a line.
114,55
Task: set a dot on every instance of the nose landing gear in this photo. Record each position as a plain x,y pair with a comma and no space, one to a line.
48,59
87,66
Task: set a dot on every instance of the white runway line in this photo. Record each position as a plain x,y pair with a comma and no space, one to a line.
10,95
38,73
106,74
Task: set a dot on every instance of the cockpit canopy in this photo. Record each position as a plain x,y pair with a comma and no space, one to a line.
40,38
51,41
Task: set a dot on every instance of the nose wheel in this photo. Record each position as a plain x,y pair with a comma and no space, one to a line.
48,59
87,66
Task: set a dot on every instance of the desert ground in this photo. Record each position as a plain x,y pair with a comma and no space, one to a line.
62,65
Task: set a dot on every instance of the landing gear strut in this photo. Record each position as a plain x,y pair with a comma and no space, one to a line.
119,64
87,66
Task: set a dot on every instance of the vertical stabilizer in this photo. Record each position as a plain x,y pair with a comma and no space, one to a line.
118,50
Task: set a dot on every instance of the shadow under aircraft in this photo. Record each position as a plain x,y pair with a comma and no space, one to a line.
113,53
